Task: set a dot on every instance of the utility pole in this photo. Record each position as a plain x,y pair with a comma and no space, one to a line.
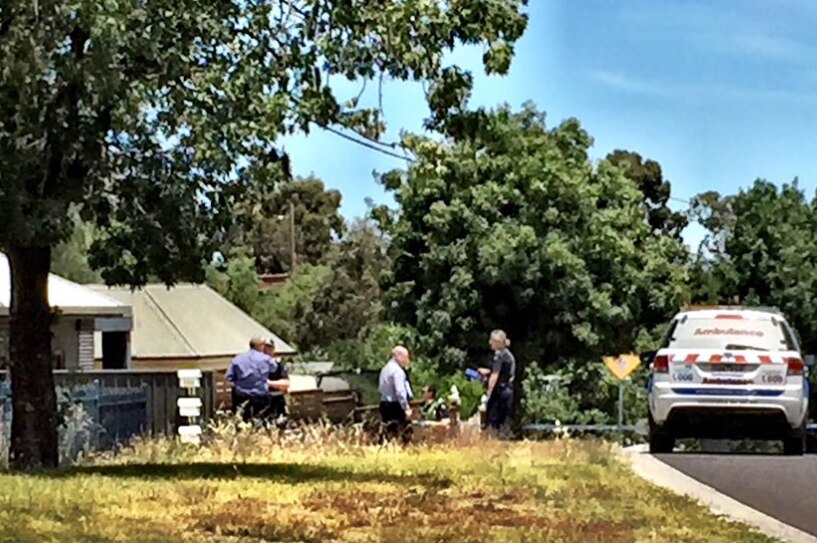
292,256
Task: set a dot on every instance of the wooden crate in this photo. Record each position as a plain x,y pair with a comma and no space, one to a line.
340,408
224,397
306,405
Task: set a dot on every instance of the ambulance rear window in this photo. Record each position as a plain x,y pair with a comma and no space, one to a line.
732,334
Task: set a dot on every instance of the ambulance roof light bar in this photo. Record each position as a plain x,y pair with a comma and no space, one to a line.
696,307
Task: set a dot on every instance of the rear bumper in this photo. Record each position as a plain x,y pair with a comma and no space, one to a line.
706,413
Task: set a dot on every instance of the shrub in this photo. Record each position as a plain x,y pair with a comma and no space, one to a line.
581,393
76,434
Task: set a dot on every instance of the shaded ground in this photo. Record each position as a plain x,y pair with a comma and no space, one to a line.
782,487
252,488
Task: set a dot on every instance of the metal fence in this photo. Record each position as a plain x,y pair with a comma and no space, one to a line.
116,414
123,403
161,387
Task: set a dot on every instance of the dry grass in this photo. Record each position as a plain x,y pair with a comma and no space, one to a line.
319,485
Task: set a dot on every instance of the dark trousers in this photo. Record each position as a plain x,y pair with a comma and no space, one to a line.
277,406
499,407
252,407
394,423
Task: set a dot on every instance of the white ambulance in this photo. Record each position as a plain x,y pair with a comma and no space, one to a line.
728,373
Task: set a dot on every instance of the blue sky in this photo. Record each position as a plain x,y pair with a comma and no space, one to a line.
719,93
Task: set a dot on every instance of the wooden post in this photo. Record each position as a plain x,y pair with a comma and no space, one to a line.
190,405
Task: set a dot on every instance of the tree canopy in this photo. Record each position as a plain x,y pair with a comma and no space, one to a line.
266,225
508,224
759,251
347,304
649,178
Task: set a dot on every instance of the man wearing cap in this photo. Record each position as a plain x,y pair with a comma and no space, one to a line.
249,373
277,381
395,412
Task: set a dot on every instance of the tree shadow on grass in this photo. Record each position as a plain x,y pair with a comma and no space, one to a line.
279,472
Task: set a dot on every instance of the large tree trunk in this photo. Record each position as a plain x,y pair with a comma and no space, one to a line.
34,400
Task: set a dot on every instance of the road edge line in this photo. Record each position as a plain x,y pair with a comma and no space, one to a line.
663,475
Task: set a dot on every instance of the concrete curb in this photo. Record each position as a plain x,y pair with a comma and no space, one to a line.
653,470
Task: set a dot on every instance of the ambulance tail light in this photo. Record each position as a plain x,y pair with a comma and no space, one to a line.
795,366
660,364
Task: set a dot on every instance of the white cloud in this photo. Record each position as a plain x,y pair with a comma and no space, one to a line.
717,27
619,81
767,47
699,92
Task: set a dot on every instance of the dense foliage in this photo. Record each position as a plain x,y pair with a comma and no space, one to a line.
512,226
760,251
301,208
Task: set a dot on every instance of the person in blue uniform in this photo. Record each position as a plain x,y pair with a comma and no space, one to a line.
500,382
249,375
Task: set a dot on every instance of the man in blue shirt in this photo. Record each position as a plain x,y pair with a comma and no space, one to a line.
395,411
249,373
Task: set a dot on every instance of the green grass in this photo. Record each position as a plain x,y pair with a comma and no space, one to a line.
322,485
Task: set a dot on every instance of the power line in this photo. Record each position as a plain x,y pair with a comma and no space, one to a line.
367,144
372,144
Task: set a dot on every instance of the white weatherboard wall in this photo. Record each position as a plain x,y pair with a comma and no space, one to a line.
65,342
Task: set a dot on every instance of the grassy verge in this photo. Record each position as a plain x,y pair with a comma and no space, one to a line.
319,486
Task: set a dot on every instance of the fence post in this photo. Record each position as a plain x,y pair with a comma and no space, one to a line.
189,405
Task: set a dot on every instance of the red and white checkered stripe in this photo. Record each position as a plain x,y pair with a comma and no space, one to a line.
754,358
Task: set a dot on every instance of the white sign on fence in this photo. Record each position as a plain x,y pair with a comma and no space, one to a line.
189,407
189,378
190,434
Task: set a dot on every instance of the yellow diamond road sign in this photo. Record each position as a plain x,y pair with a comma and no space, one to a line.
623,365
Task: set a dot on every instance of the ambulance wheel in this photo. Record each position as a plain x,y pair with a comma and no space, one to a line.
661,441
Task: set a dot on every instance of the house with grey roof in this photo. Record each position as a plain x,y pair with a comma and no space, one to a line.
185,326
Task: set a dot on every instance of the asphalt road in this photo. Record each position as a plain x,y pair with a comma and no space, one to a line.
782,487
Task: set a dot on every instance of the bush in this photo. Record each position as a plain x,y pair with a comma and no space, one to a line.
75,434
581,393
5,436
424,372
237,281
372,348
276,308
